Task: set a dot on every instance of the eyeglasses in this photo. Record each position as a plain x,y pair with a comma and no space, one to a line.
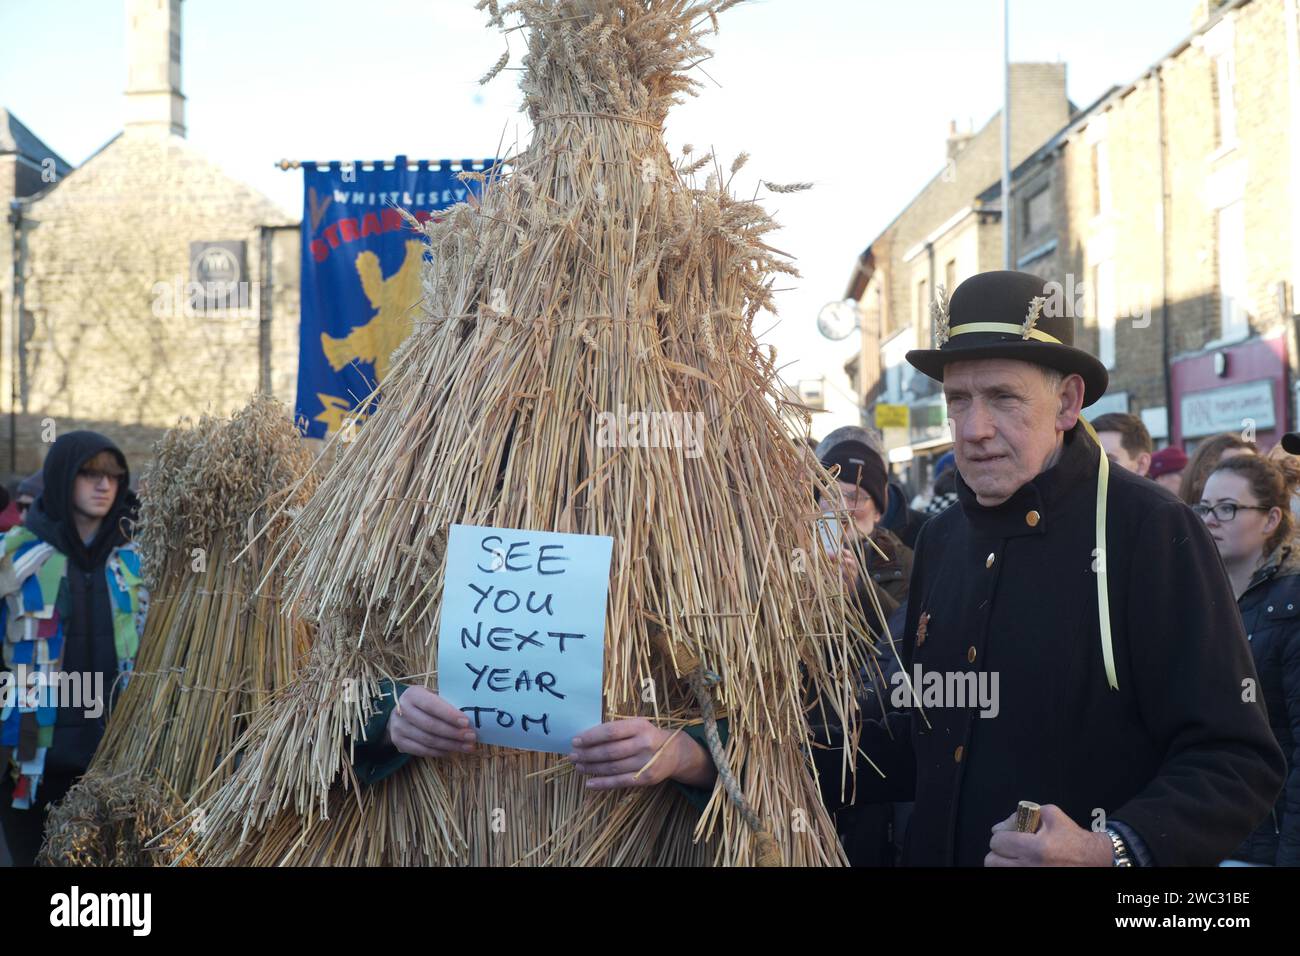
94,475
1225,511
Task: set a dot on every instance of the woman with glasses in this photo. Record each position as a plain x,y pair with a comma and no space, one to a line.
1207,456
1246,507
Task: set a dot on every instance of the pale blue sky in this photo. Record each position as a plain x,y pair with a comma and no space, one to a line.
854,95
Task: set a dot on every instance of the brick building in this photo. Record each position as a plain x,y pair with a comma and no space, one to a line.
942,236
1169,214
146,284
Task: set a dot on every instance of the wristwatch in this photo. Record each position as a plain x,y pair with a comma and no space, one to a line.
1119,849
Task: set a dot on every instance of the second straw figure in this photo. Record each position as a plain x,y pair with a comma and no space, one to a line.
213,650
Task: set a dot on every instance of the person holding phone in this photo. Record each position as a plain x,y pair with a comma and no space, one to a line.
849,524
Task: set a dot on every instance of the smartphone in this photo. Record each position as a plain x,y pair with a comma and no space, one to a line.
832,532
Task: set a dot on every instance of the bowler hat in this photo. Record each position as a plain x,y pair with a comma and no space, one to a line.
1009,315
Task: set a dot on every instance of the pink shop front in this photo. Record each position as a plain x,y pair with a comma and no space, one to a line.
1239,388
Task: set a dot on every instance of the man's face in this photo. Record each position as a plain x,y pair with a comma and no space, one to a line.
95,490
1112,443
1007,422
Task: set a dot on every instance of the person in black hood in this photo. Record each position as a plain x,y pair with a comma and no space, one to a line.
87,506
80,527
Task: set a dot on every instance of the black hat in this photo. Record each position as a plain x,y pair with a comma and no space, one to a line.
33,484
1011,315
1291,443
859,465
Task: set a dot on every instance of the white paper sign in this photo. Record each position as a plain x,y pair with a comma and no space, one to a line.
521,638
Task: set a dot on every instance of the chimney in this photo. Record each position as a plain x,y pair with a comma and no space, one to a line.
957,141
153,54
1205,10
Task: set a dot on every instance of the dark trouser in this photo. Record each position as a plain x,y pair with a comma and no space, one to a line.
24,829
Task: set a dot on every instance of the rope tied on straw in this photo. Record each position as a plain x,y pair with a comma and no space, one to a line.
635,120
698,678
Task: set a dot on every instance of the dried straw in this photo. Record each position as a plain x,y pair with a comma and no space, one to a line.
121,820
212,650
594,276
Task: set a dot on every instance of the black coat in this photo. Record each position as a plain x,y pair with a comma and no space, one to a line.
1270,610
1174,753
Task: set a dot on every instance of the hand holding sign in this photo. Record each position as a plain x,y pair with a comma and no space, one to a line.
425,725
635,753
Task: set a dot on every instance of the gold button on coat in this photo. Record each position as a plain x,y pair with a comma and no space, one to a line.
970,655
988,562
957,756
1032,519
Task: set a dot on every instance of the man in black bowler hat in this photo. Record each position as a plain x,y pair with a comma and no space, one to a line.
1126,693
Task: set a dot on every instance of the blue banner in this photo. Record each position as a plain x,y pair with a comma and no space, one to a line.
361,266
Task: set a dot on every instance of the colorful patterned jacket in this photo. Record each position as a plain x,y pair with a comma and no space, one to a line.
34,596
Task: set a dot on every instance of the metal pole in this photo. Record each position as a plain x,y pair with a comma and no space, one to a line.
1162,225
15,328
1006,134
264,304
1290,11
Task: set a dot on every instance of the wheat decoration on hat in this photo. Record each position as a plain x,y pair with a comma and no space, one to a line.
1031,317
939,316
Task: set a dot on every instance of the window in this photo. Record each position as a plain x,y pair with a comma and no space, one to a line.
1100,178
922,306
1225,113
1218,43
1037,212
812,392
1103,278
949,276
1233,288
893,385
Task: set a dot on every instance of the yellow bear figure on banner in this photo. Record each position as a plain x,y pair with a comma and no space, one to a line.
392,298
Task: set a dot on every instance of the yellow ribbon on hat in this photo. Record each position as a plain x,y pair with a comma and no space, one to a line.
1103,589
1003,327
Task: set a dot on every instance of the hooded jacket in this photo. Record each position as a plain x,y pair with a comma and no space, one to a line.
1270,610
71,607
